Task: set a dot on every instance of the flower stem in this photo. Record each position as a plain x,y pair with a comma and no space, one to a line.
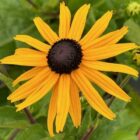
13,135
32,4
31,120
88,133
29,116
138,135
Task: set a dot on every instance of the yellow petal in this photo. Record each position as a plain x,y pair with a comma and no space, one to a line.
47,33
63,102
107,51
25,60
65,19
41,91
27,51
106,83
75,105
97,29
110,67
52,110
23,95
92,95
33,42
29,85
78,23
28,75
108,39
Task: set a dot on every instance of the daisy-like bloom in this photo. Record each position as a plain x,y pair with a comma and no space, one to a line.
68,64
133,8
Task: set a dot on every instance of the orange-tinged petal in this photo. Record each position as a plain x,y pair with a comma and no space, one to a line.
28,75
63,102
52,110
107,51
106,83
33,42
78,23
41,91
47,33
29,85
108,39
34,89
65,19
110,67
97,29
75,105
23,95
25,60
92,95
27,51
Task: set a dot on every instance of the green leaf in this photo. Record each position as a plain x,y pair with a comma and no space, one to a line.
126,58
7,49
4,92
34,132
4,133
123,127
117,105
7,81
135,103
9,118
40,108
134,30
51,3
75,4
86,122
48,3
56,137
15,18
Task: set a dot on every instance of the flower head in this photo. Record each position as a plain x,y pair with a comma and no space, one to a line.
68,64
133,8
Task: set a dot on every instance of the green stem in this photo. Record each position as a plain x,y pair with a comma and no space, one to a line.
32,4
29,116
13,135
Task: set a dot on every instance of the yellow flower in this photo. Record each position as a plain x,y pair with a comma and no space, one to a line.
67,64
133,8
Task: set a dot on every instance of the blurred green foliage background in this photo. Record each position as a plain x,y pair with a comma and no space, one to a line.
16,17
